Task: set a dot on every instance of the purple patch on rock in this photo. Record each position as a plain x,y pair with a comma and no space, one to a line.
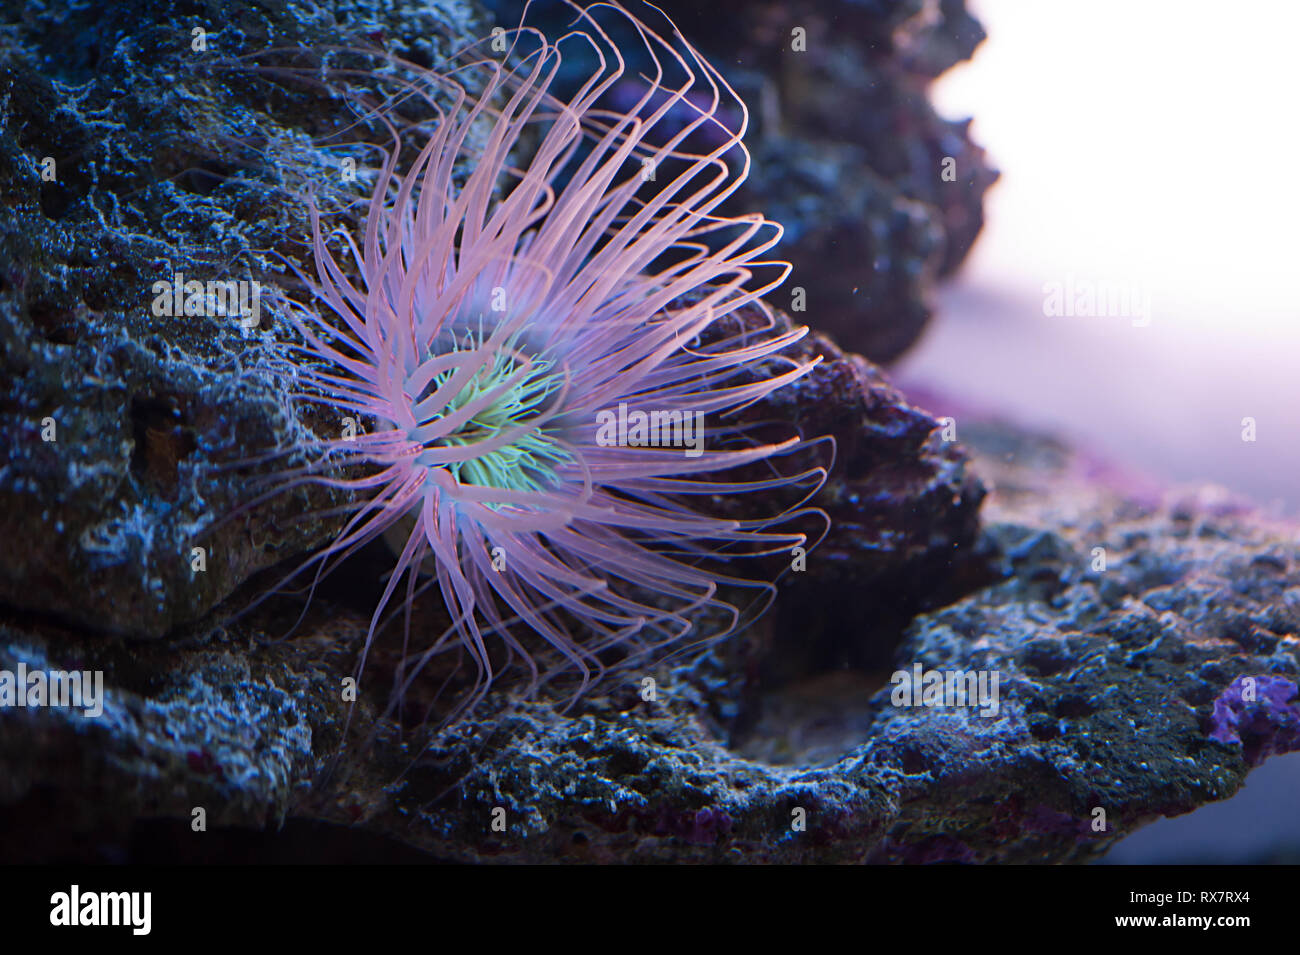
1052,822
703,827
1265,725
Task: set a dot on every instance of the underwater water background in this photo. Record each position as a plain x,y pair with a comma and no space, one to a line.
1144,146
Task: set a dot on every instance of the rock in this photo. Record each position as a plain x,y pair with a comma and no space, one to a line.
116,425
848,153
1122,690
1116,685
903,510
244,728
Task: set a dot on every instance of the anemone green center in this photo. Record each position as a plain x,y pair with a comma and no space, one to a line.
529,462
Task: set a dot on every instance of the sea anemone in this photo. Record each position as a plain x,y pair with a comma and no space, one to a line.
549,362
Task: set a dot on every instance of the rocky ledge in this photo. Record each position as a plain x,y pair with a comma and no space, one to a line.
1144,643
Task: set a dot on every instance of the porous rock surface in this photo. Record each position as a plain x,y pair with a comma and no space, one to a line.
1123,690
128,155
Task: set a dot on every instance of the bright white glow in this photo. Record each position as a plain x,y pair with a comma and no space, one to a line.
1145,143
1154,143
